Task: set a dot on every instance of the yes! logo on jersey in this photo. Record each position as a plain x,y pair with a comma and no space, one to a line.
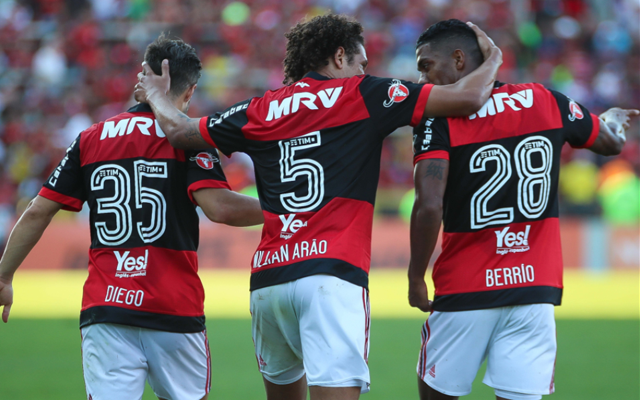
205,160
575,110
511,242
397,93
290,225
130,266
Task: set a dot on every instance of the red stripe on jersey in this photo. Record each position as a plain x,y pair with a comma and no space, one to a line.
418,112
138,279
340,230
206,184
127,135
441,154
316,98
512,110
204,132
69,203
498,258
594,133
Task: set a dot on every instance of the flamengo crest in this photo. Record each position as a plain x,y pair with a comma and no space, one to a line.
205,160
397,93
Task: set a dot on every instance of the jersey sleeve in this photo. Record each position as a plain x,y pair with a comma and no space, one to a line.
65,185
223,130
431,139
580,127
393,103
204,171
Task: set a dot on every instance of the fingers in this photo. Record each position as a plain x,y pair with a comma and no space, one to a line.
480,33
633,113
147,69
5,313
165,67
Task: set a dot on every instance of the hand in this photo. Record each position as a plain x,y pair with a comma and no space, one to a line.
620,118
6,298
487,46
149,83
419,295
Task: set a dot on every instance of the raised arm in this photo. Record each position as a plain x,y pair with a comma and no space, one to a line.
181,131
228,207
24,236
612,134
430,178
469,94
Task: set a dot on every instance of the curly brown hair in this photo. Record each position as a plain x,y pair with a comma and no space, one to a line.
311,43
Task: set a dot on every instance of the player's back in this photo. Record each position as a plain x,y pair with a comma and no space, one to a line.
144,227
501,241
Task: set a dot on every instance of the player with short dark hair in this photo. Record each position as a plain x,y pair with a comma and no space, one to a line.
316,147
493,176
142,312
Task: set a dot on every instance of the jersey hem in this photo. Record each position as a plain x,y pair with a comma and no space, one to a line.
594,133
441,154
206,184
141,319
498,298
423,98
329,266
68,203
204,132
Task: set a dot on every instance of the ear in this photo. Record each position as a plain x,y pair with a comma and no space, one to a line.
340,58
459,59
189,93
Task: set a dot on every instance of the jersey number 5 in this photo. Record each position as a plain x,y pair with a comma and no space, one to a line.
118,204
291,169
530,205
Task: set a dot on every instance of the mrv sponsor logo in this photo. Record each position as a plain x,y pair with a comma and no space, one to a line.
512,242
130,266
290,225
496,103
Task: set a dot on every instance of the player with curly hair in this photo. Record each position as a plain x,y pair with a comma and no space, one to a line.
316,146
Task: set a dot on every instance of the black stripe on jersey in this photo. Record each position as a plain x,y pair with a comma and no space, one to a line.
498,298
326,266
123,316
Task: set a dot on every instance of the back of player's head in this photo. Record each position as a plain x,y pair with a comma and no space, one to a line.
450,35
311,43
184,64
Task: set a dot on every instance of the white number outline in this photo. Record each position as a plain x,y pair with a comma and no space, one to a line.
153,197
480,215
531,176
291,169
118,204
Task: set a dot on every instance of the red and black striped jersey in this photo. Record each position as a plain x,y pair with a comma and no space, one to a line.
144,225
501,240
316,149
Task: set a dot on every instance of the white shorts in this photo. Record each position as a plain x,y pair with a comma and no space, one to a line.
318,325
118,359
519,343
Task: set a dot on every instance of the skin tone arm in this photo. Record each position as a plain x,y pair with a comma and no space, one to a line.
612,135
430,177
469,94
24,236
228,207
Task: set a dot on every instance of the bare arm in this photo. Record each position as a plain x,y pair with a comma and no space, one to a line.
24,236
228,207
612,135
430,178
469,94
182,131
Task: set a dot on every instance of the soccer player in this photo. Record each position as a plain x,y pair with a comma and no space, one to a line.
316,147
142,312
500,271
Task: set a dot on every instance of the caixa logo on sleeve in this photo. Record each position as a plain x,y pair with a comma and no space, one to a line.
575,111
397,93
205,160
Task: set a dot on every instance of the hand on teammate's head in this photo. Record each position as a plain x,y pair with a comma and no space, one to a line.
487,46
149,82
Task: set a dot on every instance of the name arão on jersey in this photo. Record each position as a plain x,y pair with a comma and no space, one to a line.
297,251
397,93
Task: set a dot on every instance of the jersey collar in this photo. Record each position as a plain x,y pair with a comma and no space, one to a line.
140,107
316,76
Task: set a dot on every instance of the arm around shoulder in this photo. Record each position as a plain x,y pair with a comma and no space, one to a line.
225,206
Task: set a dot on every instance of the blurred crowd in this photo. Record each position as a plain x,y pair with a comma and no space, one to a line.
65,64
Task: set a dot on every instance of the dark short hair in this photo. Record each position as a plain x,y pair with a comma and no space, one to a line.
184,64
311,43
451,35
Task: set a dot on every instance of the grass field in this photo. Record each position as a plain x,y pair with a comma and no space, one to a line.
597,360
598,336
